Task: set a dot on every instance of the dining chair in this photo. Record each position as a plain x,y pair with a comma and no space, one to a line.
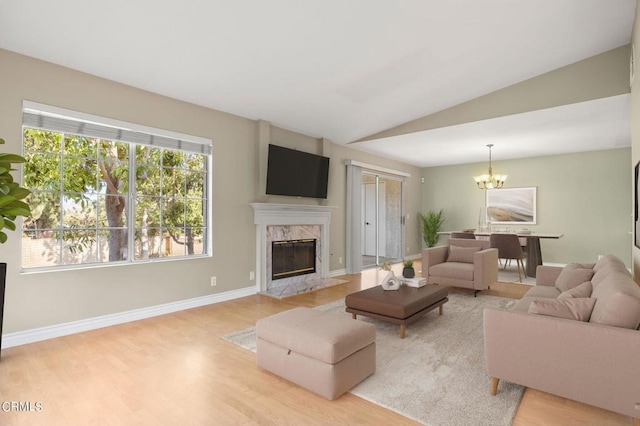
465,235
508,246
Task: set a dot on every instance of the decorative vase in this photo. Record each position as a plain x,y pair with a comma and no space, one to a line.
390,282
408,272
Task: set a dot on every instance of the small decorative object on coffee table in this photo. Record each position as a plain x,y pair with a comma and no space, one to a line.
408,271
390,282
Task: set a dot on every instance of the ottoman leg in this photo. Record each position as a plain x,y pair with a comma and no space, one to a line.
402,330
353,316
440,309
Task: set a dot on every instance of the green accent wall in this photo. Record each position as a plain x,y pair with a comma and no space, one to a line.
585,196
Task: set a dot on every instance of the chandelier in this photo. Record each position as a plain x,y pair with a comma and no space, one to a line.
490,181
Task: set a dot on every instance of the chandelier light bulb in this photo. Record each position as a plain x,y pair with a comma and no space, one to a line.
490,181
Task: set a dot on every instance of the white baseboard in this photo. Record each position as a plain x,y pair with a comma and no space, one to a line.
337,273
50,332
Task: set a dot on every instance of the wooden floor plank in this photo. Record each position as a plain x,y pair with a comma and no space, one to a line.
175,369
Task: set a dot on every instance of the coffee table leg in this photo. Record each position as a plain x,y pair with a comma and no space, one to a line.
440,309
402,330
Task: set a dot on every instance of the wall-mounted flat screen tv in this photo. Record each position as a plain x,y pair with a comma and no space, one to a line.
296,173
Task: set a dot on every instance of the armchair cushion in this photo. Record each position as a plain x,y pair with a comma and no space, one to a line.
583,290
574,308
462,254
572,276
454,270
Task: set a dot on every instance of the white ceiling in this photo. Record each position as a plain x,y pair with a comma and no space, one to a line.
339,69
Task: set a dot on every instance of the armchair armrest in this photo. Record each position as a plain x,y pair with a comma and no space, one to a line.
590,363
433,256
485,268
547,275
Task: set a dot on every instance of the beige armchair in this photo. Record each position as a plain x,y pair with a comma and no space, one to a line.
462,263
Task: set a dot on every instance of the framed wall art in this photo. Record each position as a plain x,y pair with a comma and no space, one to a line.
512,206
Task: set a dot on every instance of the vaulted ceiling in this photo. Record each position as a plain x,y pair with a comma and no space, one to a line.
339,69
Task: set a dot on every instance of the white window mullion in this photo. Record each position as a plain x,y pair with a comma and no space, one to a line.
131,205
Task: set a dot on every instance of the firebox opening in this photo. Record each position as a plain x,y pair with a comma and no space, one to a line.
293,257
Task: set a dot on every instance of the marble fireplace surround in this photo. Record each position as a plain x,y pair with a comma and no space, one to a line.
278,222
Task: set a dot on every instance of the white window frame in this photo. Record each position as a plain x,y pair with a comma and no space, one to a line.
134,134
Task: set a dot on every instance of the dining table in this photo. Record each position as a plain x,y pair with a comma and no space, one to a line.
534,253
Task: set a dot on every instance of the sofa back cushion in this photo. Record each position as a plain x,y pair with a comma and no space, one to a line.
572,276
607,259
462,254
462,242
617,302
608,268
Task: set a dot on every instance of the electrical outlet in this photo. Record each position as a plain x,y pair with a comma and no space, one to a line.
214,281
340,260
252,276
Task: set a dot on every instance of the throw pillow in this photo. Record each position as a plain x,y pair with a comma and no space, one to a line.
462,254
583,290
576,309
572,276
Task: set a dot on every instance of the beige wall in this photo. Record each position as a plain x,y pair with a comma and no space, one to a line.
43,299
635,126
585,196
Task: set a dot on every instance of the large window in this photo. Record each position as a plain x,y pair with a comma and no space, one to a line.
103,193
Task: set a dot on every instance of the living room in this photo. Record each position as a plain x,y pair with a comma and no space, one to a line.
586,196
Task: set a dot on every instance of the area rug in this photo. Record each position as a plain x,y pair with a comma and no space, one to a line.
510,275
436,375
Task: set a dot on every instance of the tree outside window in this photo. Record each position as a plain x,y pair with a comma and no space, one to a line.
98,200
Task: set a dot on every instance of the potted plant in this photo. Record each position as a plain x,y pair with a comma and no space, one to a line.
11,207
431,223
408,271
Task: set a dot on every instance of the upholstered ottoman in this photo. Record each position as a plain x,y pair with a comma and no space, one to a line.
325,353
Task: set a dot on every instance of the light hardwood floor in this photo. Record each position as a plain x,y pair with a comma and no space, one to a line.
176,370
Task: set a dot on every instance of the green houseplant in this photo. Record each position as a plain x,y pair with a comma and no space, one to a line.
408,271
11,206
431,223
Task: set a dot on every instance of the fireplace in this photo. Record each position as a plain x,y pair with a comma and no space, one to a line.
291,258
286,222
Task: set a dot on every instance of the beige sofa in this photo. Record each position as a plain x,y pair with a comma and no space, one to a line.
461,263
574,334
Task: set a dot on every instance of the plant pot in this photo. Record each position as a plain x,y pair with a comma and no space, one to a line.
408,272
3,276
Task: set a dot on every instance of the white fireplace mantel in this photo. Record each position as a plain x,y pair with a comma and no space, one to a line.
270,214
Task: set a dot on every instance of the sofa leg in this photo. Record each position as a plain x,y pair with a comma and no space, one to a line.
494,385
475,293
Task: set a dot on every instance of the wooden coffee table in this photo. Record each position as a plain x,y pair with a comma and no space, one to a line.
402,306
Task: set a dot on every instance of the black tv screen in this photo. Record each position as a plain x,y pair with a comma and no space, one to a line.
296,173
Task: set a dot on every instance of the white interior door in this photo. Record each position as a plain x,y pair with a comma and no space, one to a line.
373,219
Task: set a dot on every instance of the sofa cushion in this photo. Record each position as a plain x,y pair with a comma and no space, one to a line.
575,308
607,259
523,304
618,302
462,254
583,290
607,269
572,276
544,291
